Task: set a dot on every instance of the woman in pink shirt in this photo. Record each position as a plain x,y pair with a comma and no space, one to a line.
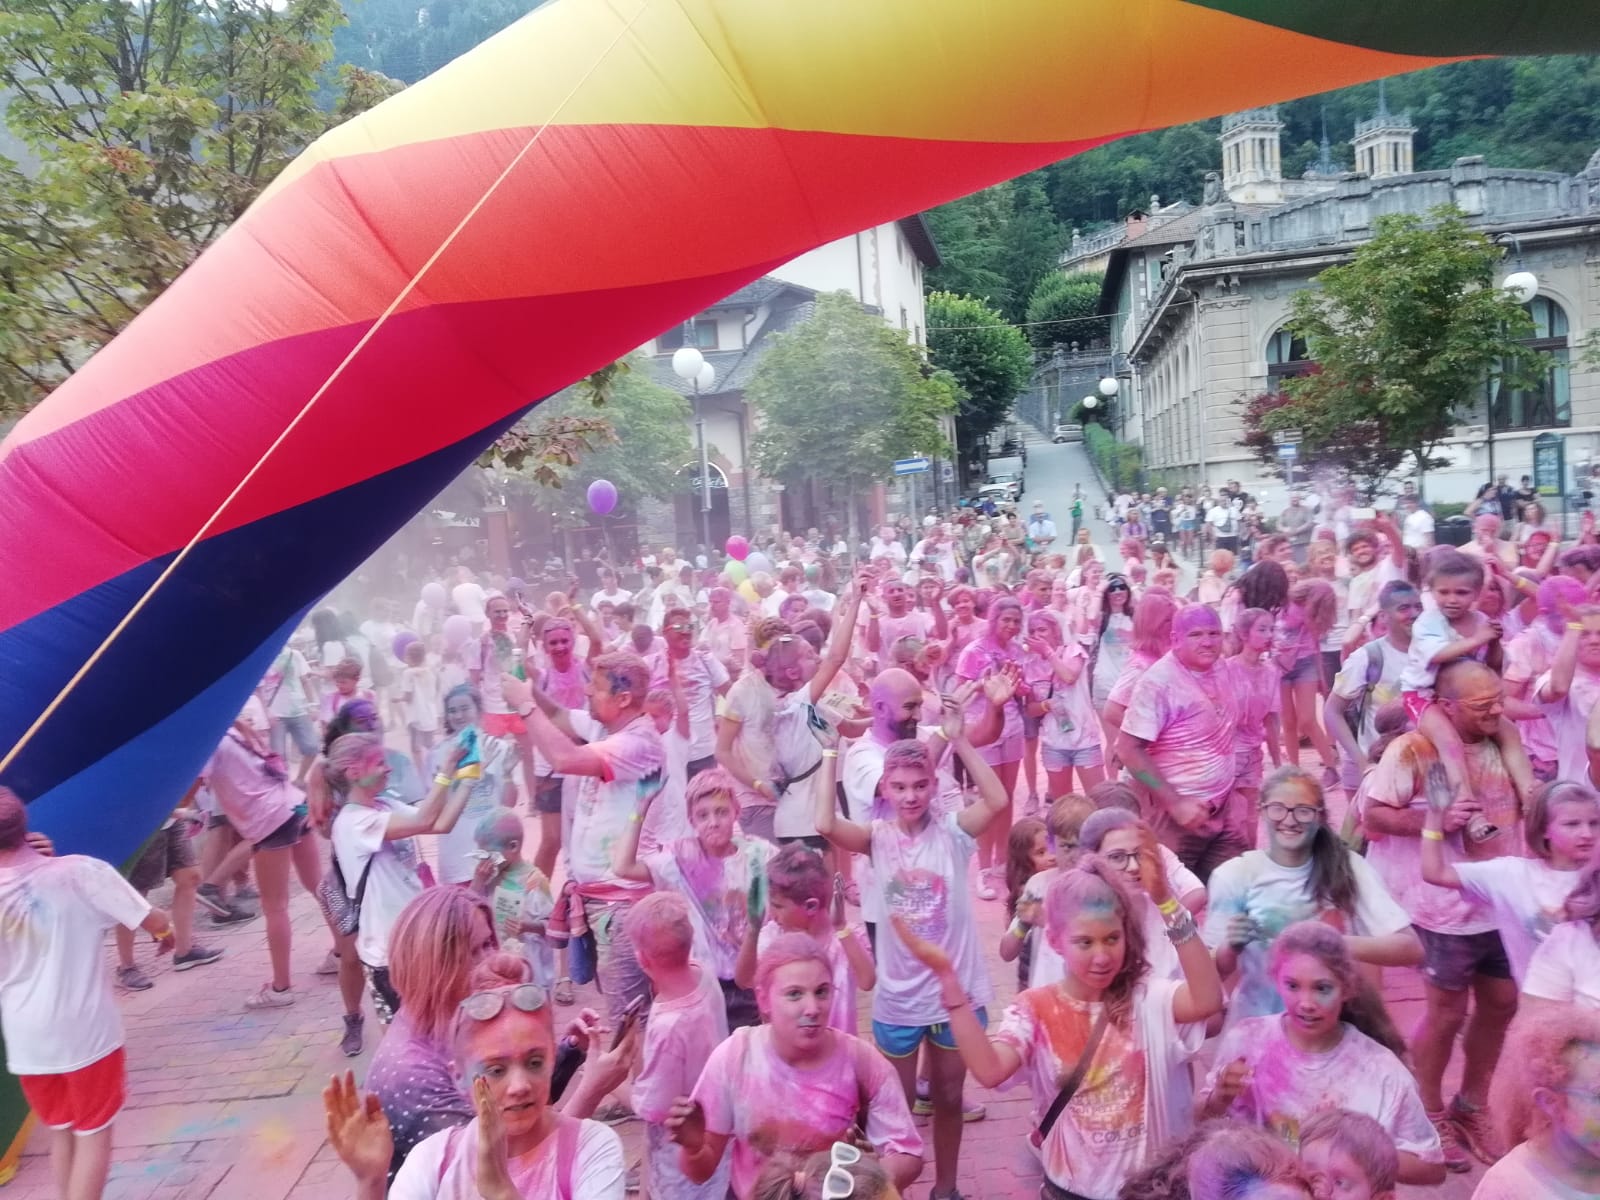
999,645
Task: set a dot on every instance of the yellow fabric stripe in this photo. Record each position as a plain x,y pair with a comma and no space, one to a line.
960,70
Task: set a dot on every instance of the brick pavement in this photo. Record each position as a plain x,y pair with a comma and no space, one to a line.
224,1104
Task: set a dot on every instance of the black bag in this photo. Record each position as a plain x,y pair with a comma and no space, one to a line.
1074,1080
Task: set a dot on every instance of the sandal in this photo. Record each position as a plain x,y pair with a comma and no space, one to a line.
564,993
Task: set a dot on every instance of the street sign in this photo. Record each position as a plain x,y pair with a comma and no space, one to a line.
1550,464
1288,437
947,472
910,466
1289,450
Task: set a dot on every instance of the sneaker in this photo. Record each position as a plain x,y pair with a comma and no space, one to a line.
1031,808
246,892
972,1111
1455,1158
330,964
1474,1131
986,892
350,1043
233,916
210,897
133,979
270,997
197,956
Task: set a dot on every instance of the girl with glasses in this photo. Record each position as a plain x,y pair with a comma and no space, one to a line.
503,1042
1303,872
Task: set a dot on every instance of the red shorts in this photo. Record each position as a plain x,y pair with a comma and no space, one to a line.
84,1101
1416,704
503,724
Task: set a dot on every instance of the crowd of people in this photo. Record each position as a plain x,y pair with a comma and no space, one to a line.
744,797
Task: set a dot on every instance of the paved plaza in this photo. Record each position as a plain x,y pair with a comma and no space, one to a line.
225,1104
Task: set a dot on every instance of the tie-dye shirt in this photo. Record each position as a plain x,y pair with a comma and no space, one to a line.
768,1106
1289,1085
1132,1100
717,890
922,878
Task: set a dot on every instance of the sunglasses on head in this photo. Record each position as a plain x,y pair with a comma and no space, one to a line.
838,1183
486,1006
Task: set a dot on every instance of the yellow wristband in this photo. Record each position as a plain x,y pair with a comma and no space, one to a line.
830,754
1168,906
633,816
1433,835
1575,626
844,934
441,780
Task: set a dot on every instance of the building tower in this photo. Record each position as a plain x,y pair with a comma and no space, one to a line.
1383,144
1252,166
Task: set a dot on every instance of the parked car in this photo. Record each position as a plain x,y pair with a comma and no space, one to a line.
1010,480
1067,433
1001,494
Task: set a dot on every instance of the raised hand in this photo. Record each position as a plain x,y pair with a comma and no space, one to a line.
357,1129
836,909
494,1164
1234,1080
1436,786
1152,875
951,718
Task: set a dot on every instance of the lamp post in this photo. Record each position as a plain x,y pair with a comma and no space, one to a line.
691,367
1522,286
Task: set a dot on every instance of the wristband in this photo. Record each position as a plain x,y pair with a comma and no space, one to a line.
1575,626
1168,907
1433,835
441,780
635,817
830,754
843,934
1017,929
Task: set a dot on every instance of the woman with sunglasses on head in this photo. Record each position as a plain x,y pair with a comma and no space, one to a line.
1110,638
517,1146
792,1084
1304,872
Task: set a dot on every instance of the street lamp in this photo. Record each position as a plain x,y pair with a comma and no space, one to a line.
691,367
1109,386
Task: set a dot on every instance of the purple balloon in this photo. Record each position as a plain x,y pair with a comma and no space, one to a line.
401,640
602,496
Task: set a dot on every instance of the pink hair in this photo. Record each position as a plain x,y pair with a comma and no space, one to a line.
1556,589
659,927
13,819
786,949
797,873
907,752
431,955
1538,1055
347,758
1247,618
716,781
1192,617
1090,883
1152,623
500,972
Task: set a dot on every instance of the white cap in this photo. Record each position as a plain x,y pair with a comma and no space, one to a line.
929,522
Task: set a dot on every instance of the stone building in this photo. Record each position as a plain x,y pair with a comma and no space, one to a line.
1199,304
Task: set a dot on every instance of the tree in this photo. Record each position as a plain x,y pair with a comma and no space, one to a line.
842,396
989,359
1410,329
1062,310
1030,244
148,127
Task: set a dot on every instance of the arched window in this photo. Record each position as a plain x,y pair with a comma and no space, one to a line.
1548,405
1286,357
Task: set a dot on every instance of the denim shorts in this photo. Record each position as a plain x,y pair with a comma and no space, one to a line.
902,1041
1084,756
1309,667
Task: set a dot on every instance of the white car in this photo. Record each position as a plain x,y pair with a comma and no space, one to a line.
1067,433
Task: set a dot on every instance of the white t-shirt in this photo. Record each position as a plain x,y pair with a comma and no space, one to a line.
668,818
1569,720
1431,634
1069,721
1275,897
1362,597
1417,529
718,891
1527,896
795,751
605,805
701,674
922,877
1566,966
1290,1085
1520,1176
56,1006
284,688
599,1171
1351,681
393,882
1134,1098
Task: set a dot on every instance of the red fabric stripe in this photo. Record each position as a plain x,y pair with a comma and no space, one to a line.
591,209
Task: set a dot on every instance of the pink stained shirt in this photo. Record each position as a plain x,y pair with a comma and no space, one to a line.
1397,781
765,1104
1189,719
1528,656
1262,697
